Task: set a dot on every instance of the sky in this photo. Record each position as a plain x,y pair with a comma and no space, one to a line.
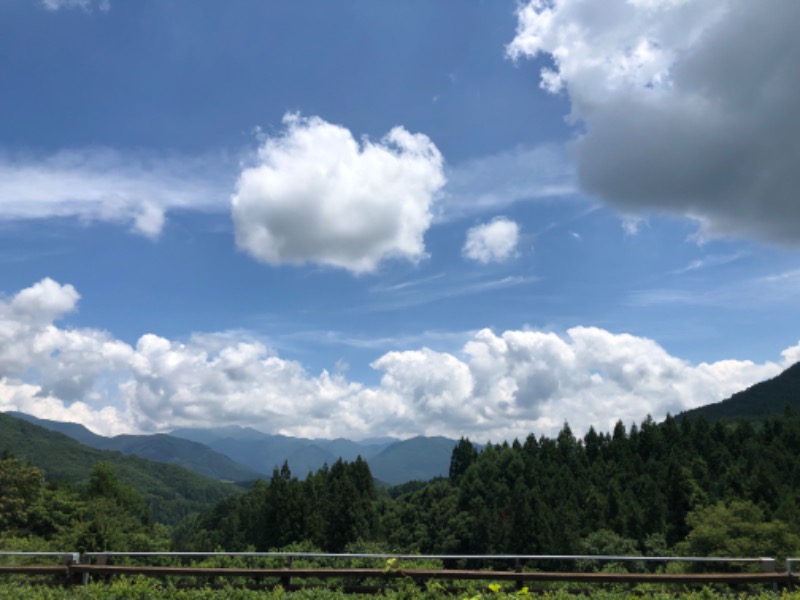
359,219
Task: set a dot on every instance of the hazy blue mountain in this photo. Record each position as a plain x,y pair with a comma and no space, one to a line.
765,399
419,458
212,434
168,449
263,452
235,453
309,459
267,453
349,450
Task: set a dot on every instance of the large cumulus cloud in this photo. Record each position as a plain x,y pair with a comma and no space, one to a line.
317,195
687,107
499,385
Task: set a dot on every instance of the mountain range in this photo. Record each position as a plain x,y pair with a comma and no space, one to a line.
243,454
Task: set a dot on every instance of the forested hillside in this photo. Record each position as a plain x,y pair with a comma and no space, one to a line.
764,399
170,492
157,447
680,486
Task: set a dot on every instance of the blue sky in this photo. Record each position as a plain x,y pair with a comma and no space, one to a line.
359,219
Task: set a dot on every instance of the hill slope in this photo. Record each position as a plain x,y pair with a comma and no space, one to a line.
191,455
419,458
766,399
171,492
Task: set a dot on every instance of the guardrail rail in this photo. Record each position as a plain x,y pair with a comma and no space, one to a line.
75,568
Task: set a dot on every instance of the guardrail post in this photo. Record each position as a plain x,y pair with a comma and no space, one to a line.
518,569
84,577
286,580
68,559
769,565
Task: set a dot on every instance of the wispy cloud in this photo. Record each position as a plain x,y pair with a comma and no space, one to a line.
665,296
454,339
496,181
754,292
405,284
447,288
711,261
53,5
101,184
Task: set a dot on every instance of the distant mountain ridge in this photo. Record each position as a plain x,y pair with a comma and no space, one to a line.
416,459
391,461
765,399
158,447
263,452
235,453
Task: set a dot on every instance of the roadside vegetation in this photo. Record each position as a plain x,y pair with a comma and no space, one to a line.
681,488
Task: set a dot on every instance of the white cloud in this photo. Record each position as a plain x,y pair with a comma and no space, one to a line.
319,196
791,355
496,386
200,382
54,5
68,363
687,107
45,301
29,399
105,185
495,241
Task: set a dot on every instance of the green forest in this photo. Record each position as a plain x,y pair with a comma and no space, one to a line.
680,487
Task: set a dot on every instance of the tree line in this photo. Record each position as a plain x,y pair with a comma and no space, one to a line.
677,487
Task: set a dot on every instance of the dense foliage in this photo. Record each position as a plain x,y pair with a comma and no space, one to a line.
655,487
102,514
685,487
679,487
329,509
170,492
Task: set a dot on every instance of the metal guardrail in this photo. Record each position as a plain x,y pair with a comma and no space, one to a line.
66,557
388,555
768,564
78,568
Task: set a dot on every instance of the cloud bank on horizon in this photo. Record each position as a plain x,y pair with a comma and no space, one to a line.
497,386
686,107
